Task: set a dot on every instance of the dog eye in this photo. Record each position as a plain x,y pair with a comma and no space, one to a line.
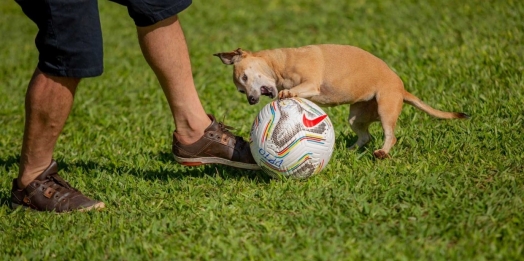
244,78
241,91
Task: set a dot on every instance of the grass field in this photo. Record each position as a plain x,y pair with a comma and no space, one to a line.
453,190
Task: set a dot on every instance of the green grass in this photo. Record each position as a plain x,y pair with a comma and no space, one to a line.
453,190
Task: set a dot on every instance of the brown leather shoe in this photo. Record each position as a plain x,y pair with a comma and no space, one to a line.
218,145
49,192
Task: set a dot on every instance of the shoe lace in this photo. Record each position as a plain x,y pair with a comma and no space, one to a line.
225,128
239,141
58,183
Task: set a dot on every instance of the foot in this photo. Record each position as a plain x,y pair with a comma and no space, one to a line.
49,192
284,94
380,154
218,145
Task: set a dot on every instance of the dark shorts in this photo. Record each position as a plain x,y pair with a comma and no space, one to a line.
69,39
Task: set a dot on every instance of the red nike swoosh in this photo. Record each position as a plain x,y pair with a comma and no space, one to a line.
313,122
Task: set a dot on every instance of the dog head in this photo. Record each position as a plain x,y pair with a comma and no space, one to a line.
251,74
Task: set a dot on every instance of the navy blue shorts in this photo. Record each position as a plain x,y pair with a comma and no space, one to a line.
69,39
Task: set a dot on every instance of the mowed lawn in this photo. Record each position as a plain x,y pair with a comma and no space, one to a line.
453,190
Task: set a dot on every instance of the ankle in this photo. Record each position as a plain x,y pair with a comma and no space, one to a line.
187,137
190,132
27,175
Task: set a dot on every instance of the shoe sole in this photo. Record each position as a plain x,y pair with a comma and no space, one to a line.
192,162
99,205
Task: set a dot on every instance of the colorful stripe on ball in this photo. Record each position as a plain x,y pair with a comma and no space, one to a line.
269,126
308,137
319,167
291,168
311,108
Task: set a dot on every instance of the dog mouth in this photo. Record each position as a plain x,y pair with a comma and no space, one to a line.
267,91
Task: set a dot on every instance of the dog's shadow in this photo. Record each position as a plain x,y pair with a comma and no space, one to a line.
346,140
164,174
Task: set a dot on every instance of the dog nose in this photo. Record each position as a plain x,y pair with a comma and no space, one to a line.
252,99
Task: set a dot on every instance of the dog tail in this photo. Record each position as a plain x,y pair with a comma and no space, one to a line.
417,103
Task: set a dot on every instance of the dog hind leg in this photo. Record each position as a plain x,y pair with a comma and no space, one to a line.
389,108
361,115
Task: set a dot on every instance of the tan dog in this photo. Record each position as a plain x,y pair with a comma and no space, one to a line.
330,75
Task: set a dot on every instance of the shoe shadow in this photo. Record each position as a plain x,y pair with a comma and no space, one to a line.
224,171
10,161
5,199
162,173
5,193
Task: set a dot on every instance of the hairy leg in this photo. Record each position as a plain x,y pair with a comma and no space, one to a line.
48,102
165,49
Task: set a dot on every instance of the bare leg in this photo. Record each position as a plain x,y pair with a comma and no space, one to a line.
47,104
164,48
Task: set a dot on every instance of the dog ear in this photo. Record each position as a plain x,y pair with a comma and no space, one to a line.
231,57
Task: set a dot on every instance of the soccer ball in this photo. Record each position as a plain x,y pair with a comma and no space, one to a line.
292,138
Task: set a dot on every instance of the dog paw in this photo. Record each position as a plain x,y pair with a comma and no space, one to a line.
286,94
380,154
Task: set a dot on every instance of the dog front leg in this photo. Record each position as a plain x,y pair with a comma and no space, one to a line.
304,90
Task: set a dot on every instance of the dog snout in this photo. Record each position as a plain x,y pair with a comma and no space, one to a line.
252,99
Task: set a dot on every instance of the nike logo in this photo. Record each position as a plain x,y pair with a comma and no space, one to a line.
312,122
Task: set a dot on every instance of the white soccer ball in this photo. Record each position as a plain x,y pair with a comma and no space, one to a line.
292,138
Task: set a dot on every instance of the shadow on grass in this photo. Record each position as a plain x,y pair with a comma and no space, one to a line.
162,173
7,163
149,174
5,198
10,161
224,172
345,140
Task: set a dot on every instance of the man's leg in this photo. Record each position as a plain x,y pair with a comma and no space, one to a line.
198,138
164,47
47,104
69,42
